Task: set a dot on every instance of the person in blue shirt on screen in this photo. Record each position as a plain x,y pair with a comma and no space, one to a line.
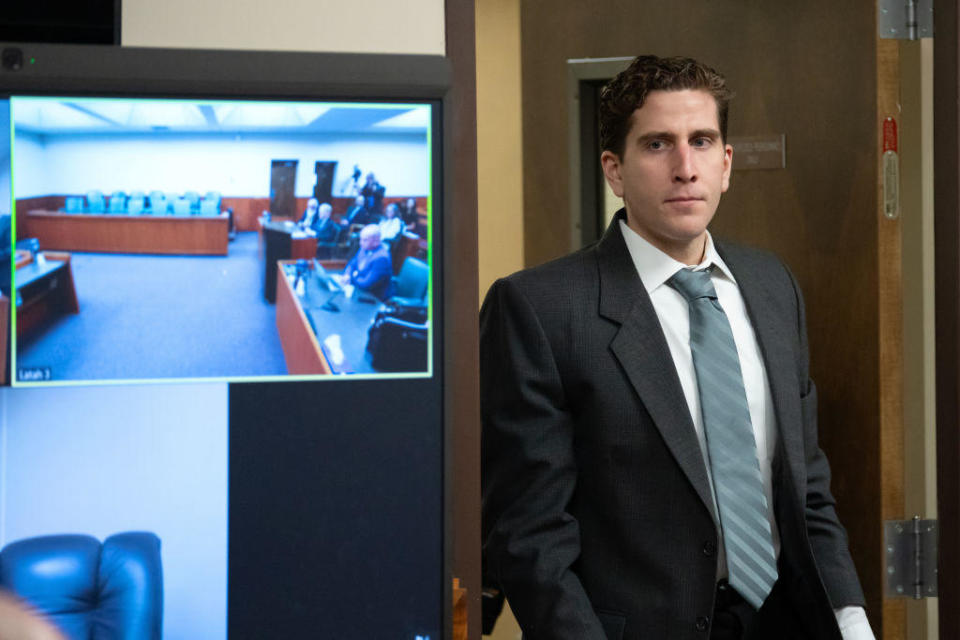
370,269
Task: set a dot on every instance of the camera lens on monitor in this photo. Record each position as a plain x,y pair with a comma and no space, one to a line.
12,59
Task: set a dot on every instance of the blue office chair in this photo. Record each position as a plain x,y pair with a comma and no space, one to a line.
209,207
158,204
410,285
194,199
135,206
215,196
95,201
181,207
74,204
158,198
118,202
91,591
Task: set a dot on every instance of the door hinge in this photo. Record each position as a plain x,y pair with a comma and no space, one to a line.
905,19
911,558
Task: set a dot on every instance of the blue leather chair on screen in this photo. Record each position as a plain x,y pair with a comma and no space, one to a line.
118,202
95,201
91,591
194,199
181,207
215,196
209,208
74,204
135,206
409,287
158,204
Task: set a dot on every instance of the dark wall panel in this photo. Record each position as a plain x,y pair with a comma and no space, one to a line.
336,519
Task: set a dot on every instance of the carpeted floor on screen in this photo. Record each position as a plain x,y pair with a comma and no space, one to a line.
148,317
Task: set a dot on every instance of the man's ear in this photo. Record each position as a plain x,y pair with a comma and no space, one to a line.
611,171
727,168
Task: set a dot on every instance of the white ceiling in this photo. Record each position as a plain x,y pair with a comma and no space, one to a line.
59,116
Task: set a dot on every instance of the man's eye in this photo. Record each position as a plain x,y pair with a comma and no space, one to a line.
656,144
701,142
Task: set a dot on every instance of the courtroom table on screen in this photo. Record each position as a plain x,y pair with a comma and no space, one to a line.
304,325
44,289
117,233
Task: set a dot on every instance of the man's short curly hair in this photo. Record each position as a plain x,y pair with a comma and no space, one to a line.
628,91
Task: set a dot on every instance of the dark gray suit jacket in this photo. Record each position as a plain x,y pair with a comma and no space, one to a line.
597,515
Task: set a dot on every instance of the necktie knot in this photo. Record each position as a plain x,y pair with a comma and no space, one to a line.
693,284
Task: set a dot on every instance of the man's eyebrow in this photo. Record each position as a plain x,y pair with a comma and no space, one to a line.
705,133
713,134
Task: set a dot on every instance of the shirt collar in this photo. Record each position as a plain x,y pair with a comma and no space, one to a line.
655,267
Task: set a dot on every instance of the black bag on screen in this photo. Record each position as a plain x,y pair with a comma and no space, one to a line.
396,343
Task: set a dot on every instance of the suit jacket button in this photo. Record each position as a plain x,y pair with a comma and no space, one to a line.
709,548
703,623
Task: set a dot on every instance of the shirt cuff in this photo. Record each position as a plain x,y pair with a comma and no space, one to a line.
854,624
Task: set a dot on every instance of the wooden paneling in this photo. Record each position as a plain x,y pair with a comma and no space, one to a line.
246,211
820,213
301,351
125,234
46,203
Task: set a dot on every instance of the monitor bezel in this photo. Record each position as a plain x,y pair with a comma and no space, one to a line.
104,70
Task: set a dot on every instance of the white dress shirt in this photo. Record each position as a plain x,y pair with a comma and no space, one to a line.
655,268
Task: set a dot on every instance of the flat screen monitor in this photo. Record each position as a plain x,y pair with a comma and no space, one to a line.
222,328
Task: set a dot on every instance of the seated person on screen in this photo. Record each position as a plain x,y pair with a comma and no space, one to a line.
391,226
410,215
358,214
324,226
370,269
306,221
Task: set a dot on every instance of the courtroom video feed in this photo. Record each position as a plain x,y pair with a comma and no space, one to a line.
157,240
116,519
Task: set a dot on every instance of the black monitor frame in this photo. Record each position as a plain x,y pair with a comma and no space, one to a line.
104,71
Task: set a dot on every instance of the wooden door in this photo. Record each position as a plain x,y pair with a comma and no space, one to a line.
283,179
823,212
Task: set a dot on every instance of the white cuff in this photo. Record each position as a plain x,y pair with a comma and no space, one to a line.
854,624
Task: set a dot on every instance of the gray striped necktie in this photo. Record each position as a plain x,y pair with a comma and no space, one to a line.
731,445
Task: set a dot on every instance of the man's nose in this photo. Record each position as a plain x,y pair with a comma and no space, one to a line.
684,170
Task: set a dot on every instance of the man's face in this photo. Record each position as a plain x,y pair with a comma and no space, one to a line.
673,169
370,238
324,211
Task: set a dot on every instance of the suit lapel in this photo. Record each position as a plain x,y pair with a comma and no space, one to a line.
642,351
775,340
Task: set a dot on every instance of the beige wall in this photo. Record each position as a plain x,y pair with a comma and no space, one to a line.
369,26
499,164
499,153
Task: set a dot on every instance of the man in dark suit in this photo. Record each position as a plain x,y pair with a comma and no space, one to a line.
650,464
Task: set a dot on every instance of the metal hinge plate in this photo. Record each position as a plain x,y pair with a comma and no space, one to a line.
911,558
905,19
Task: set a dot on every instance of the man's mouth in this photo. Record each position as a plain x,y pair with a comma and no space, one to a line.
683,199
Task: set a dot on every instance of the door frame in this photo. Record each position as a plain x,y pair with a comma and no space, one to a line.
946,150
